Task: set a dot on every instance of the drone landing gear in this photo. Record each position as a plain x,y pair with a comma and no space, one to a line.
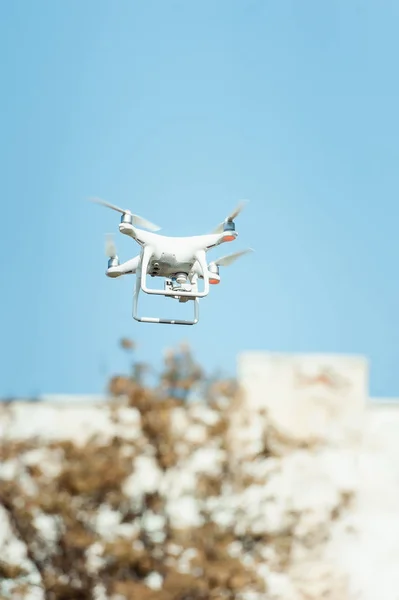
177,288
176,295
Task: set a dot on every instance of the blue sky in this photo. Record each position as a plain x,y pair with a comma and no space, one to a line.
177,110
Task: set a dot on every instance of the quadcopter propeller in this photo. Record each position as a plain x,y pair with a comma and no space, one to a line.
225,261
136,219
110,248
231,217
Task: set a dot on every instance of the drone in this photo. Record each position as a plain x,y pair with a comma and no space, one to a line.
180,261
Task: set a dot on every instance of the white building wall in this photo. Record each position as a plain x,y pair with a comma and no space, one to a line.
308,395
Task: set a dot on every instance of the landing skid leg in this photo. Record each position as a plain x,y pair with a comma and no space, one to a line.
136,293
194,321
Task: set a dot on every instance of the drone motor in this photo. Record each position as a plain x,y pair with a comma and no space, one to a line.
127,218
229,225
214,277
113,262
110,251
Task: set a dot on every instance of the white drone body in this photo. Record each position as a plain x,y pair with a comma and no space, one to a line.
181,261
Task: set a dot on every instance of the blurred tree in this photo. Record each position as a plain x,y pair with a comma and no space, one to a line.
181,372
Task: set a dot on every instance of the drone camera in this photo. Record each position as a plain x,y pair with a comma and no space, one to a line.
179,282
181,278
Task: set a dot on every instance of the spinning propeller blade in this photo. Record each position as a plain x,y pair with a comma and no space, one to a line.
231,217
110,248
225,261
137,220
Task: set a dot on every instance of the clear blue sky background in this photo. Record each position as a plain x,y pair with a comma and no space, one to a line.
177,109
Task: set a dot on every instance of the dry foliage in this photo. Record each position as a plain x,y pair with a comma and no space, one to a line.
90,477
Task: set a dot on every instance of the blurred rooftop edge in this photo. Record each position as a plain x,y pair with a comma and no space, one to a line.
263,372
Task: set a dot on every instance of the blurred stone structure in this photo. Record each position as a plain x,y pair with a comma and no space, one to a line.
310,396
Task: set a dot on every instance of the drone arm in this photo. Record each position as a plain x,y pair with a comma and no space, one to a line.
126,268
214,239
140,236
